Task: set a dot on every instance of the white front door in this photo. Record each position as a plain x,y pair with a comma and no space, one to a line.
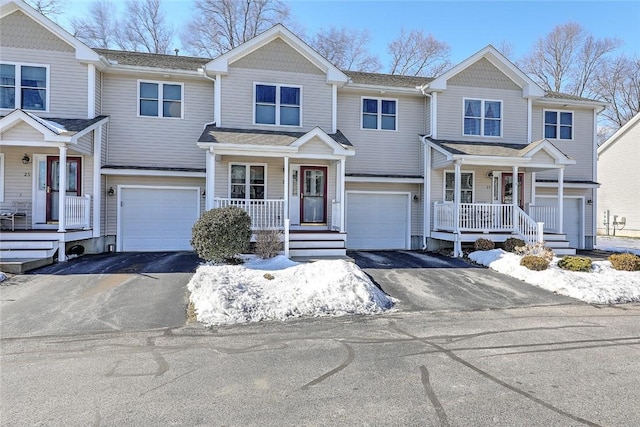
39,190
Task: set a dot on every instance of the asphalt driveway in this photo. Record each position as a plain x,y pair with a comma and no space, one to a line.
423,281
94,293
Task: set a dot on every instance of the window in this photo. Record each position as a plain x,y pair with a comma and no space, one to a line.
248,181
558,124
482,117
466,187
378,114
157,99
277,105
23,86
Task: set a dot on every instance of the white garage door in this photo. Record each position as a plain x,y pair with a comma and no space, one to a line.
157,218
377,221
572,218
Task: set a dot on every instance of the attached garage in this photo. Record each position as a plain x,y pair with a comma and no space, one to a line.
378,220
156,218
573,218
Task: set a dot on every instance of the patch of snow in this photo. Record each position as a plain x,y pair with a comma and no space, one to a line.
604,285
229,294
618,244
50,124
3,276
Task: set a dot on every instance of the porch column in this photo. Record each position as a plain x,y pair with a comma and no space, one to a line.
343,200
97,182
210,183
62,189
457,245
515,191
560,199
287,220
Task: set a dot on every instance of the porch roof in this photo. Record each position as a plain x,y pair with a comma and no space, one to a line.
212,134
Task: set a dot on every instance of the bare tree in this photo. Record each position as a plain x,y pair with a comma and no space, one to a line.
98,28
346,48
417,54
618,83
220,25
48,8
565,59
144,28
508,49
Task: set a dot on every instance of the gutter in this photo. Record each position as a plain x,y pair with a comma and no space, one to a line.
203,72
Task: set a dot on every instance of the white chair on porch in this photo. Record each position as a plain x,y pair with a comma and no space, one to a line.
19,211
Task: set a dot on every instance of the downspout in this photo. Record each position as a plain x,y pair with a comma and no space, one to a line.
426,179
204,74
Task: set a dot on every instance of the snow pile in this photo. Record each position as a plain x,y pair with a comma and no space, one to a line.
618,244
278,289
3,276
604,285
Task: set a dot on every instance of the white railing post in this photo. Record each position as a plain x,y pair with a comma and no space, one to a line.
540,231
287,222
87,211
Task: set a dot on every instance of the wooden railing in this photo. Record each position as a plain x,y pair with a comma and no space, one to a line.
77,211
546,214
267,214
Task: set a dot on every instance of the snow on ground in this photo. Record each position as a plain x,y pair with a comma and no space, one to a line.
604,285
3,276
278,289
618,244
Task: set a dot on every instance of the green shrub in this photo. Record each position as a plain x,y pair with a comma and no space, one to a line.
534,262
536,249
575,263
268,243
512,243
483,245
625,262
219,235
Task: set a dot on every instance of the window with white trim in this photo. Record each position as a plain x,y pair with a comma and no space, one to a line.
24,86
248,181
159,99
277,104
379,113
558,124
482,117
466,186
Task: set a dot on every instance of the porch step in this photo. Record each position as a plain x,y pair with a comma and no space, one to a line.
548,237
316,235
34,244
26,253
317,244
318,252
22,265
559,244
309,244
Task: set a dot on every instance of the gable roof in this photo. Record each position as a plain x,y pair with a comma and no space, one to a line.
220,65
52,129
83,52
213,134
529,87
616,136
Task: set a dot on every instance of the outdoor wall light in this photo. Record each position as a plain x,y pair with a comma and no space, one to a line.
489,174
415,198
111,192
26,159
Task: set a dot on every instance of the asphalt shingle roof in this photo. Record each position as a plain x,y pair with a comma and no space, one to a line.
259,137
493,149
154,60
569,97
389,80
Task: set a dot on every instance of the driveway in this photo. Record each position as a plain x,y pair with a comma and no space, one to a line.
95,293
432,282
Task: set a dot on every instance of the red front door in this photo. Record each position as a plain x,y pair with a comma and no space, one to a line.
313,194
53,181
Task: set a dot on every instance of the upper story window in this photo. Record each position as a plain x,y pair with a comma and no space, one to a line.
277,105
378,113
248,181
158,99
558,124
482,117
466,186
24,86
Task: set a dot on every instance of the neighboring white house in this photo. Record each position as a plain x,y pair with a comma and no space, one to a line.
335,159
619,178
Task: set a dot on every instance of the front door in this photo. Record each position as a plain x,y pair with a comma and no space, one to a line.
507,189
53,181
313,195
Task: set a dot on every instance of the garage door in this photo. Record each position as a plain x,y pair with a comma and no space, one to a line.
377,220
157,218
572,217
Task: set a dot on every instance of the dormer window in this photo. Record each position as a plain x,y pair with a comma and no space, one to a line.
482,117
23,86
277,105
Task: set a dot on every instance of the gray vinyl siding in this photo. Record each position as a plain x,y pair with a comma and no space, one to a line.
438,160
315,146
618,177
22,132
383,152
451,114
414,189
581,148
68,83
20,31
85,144
238,98
277,55
155,141
485,75
110,206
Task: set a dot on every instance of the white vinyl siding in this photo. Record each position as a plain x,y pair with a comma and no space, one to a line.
141,141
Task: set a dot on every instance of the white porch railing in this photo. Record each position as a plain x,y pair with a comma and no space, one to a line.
530,230
267,214
546,214
77,212
335,215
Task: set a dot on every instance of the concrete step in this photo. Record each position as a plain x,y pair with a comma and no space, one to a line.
32,244
19,266
317,252
26,253
552,237
297,236
324,244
